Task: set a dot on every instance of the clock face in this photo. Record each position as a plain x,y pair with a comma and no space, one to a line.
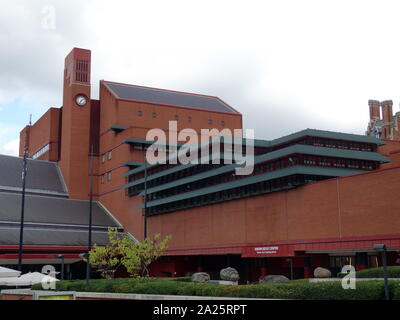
81,100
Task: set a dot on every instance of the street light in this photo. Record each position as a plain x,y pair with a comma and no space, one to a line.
382,248
61,256
290,260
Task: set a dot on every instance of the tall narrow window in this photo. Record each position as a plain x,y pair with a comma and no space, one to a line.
109,155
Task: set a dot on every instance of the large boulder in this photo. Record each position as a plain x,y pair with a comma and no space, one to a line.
322,273
274,279
200,277
229,274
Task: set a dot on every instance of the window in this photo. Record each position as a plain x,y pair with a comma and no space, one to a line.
102,178
210,121
109,176
223,123
42,151
176,118
154,115
139,113
190,119
103,158
109,155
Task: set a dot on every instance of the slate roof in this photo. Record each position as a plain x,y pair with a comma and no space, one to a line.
168,97
40,209
42,176
51,218
44,236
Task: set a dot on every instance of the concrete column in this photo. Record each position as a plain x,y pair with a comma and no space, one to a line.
361,261
307,268
200,267
264,267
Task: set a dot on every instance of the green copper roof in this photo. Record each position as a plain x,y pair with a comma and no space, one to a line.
118,128
328,135
133,164
304,133
295,149
308,170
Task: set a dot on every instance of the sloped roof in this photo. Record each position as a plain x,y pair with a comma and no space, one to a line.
49,237
39,209
168,97
42,176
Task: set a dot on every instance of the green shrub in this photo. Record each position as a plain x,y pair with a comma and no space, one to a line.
300,289
393,272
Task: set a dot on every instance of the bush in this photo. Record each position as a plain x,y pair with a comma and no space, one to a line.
299,289
393,272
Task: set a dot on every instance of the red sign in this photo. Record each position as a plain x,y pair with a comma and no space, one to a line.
267,251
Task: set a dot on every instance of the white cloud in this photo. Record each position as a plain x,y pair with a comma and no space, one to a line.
8,144
286,65
12,147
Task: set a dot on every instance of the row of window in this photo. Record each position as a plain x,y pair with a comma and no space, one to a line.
107,175
41,152
106,156
329,143
236,193
259,169
176,117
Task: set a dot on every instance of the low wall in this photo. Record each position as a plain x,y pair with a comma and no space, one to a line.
23,294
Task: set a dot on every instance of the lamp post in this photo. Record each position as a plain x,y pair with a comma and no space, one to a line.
61,256
145,196
85,256
90,216
382,248
24,171
290,260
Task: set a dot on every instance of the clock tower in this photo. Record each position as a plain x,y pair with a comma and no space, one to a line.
75,127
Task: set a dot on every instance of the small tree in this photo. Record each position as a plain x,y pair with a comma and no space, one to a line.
123,250
139,256
107,259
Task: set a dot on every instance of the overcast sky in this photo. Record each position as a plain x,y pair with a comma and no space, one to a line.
285,65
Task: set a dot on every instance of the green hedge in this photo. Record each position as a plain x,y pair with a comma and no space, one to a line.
299,289
393,272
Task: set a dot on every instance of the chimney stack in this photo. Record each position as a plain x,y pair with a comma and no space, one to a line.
374,110
387,111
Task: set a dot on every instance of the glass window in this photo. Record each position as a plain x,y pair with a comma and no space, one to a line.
109,176
139,113
109,155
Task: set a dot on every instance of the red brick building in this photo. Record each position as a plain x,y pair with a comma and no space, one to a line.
319,198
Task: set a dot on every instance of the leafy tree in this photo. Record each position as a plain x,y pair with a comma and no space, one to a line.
107,259
123,250
140,255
